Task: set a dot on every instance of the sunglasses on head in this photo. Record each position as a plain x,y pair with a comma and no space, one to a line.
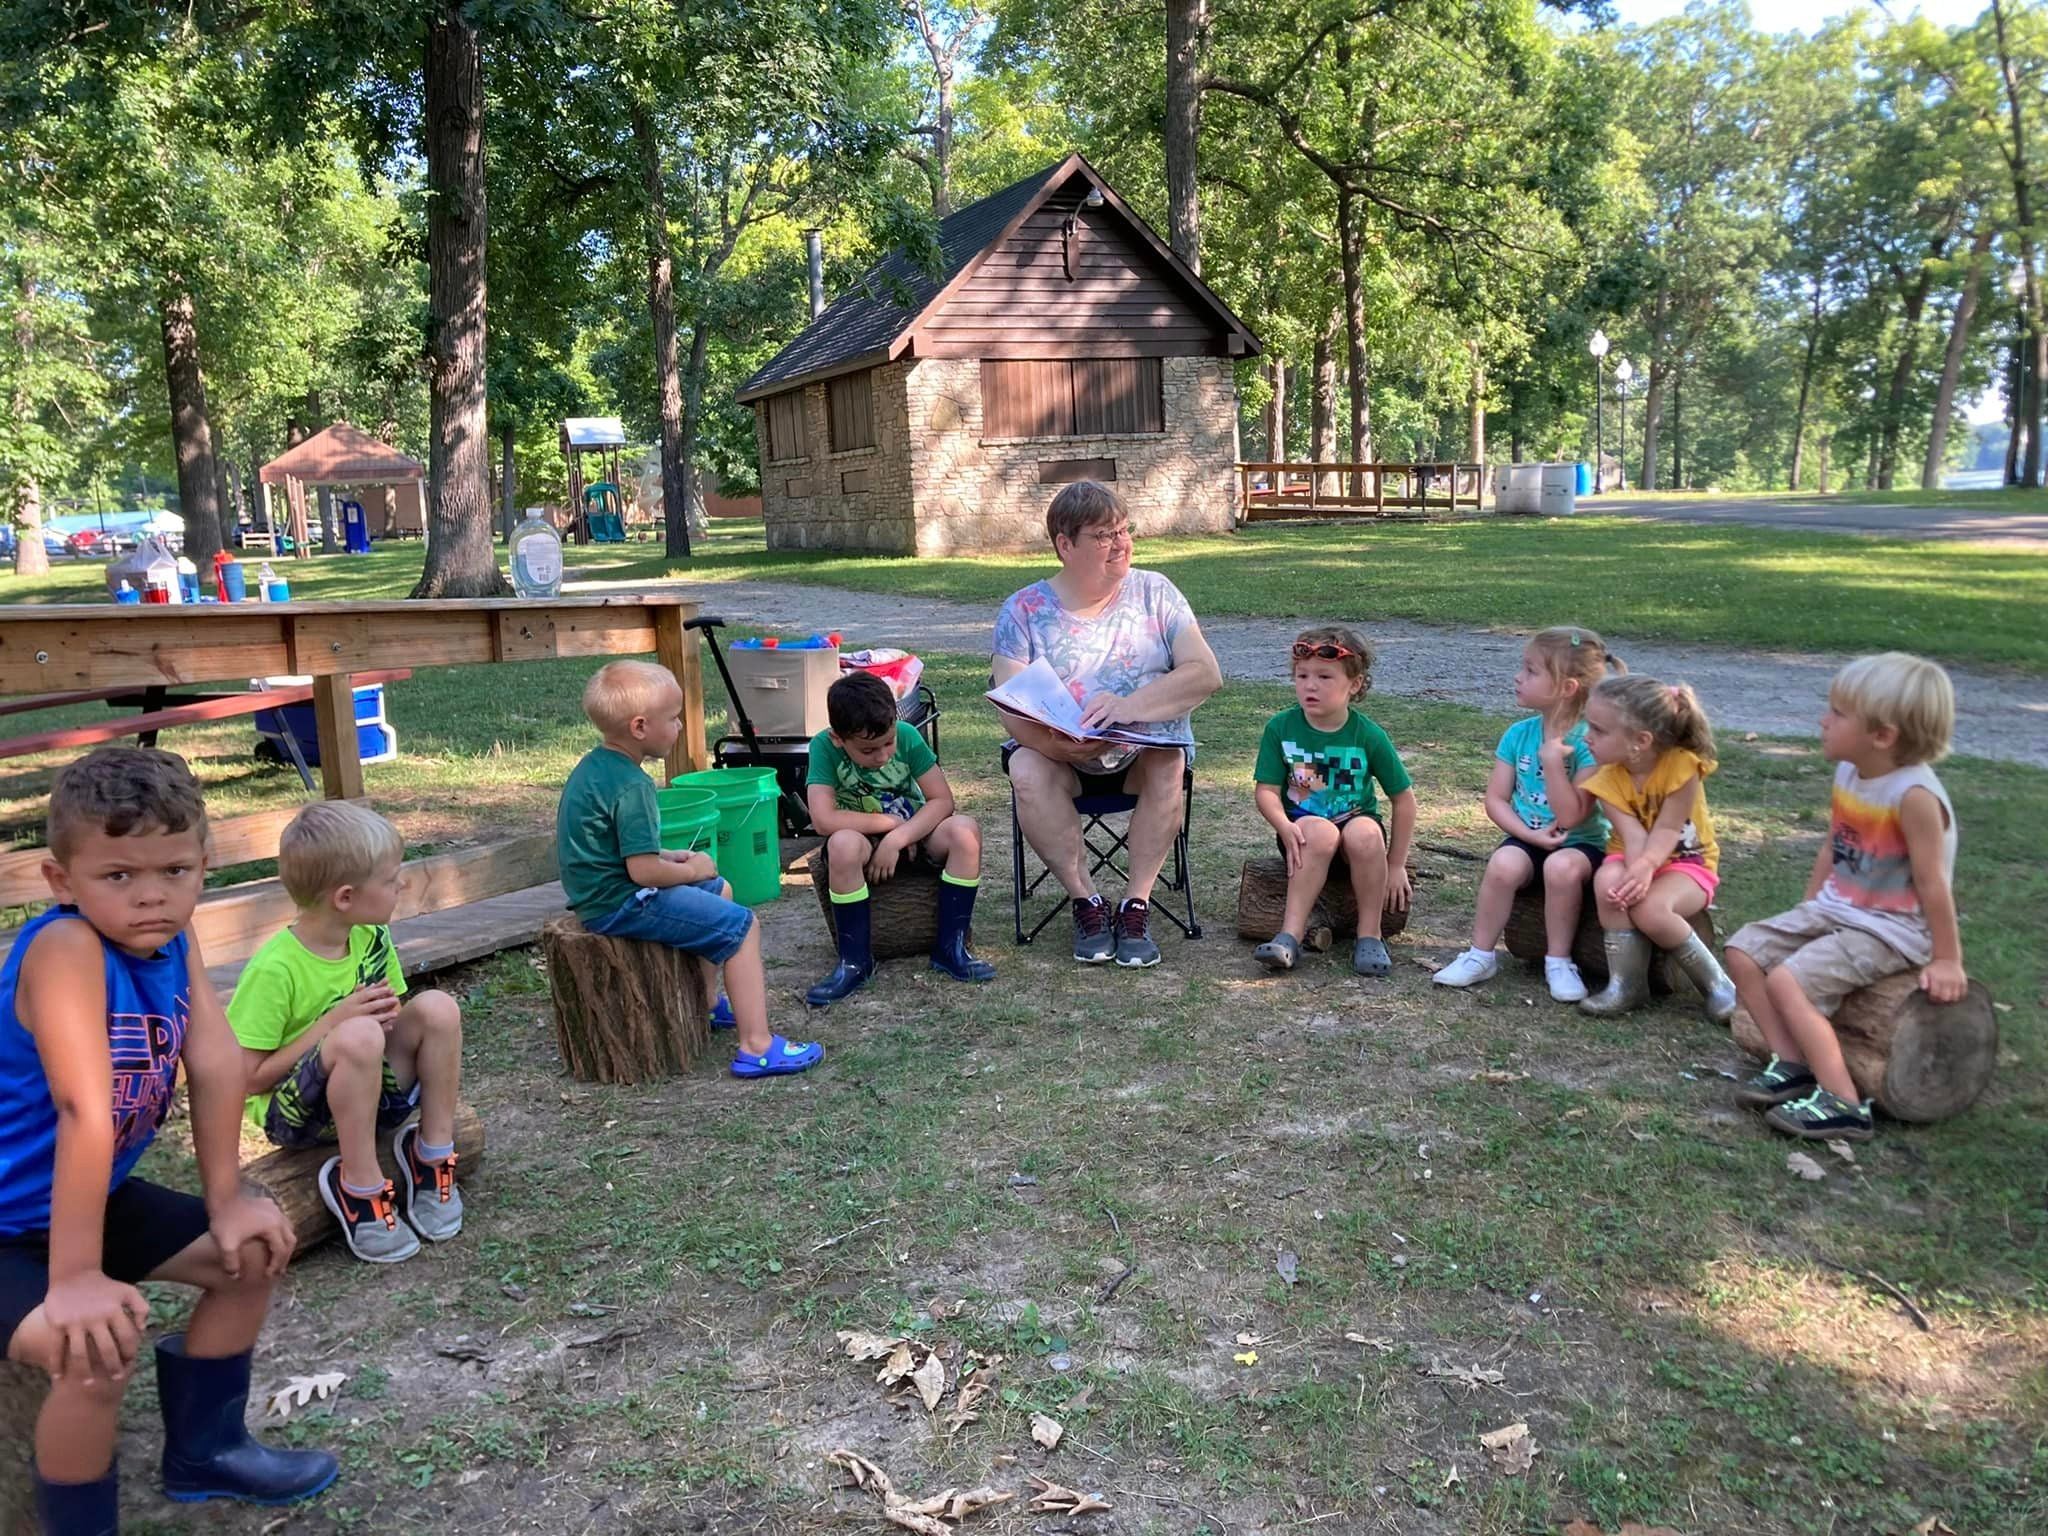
1303,651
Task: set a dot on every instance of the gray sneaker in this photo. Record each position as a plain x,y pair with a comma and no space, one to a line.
369,1225
427,1192
1094,942
1134,945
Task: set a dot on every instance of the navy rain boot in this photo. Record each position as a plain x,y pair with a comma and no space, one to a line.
854,920
208,1451
80,1509
949,949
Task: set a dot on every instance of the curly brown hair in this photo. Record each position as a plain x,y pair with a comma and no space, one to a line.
123,790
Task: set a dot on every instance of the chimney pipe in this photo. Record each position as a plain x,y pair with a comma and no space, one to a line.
814,247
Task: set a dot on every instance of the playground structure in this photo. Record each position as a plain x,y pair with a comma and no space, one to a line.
597,508
347,457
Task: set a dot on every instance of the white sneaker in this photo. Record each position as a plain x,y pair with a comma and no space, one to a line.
1566,984
1469,969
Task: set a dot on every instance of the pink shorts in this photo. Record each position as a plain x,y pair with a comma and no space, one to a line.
1692,869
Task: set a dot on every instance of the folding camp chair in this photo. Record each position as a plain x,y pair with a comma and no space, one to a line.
1106,846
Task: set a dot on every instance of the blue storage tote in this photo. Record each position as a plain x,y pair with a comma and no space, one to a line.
376,741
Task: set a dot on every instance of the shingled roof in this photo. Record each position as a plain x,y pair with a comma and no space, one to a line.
868,323
342,455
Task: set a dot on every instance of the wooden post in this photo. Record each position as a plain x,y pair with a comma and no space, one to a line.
676,648
1379,492
334,718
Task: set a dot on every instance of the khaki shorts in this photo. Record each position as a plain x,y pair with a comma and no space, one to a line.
1829,960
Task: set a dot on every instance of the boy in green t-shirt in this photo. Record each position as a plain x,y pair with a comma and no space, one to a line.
1317,765
622,883
335,1049
877,793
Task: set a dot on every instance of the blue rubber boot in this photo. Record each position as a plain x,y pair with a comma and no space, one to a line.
80,1509
949,949
854,920
208,1451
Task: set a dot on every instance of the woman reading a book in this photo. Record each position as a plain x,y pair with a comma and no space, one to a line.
1126,647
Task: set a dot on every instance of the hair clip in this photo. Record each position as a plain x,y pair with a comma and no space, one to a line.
1575,639
1673,691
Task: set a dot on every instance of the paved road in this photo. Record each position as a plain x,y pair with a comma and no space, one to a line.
2025,530
2000,716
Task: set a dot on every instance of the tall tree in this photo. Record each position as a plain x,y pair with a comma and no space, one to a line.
1186,24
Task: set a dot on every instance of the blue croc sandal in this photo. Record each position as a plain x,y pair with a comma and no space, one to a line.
721,1014
781,1058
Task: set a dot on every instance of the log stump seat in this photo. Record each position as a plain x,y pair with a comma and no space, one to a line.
1526,939
903,912
626,1011
1262,900
1921,1060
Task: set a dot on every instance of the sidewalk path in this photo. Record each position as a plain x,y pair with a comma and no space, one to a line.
2003,716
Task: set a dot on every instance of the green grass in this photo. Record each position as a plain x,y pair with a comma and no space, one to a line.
1687,1359
2007,499
1636,578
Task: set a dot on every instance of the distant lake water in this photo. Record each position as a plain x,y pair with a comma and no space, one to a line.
1973,480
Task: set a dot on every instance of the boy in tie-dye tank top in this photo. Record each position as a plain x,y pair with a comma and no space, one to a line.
1880,899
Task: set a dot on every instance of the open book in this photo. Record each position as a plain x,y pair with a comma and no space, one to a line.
1037,693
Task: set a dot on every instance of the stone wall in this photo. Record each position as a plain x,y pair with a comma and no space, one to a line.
859,500
985,493
972,493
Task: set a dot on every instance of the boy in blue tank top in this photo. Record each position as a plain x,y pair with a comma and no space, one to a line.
101,998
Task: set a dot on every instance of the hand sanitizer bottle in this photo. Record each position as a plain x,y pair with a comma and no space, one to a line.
536,556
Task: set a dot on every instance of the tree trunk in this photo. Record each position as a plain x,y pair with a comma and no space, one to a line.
1527,938
1902,375
1276,412
1262,899
625,1011
1805,391
1186,21
508,478
1653,396
326,504
661,308
1322,426
1475,423
694,519
904,909
191,433
290,1176
1678,423
462,558
26,514
1952,362
1351,245
2022,190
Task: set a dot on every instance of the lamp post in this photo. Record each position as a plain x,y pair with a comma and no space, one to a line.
1597,345
1624,372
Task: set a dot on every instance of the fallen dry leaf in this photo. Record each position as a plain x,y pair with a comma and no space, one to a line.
1512,1448
1628,1528
1805,1167
1473,1376
868,1346
1249,1340
1046,1431
926,1516
301,1390
930,1381
913,1520
966,1407
1496,1075
901,1362
865,1473
1052,1499
1843,1150
1287,1265
975,1499
1246,1357
1574,1114
1933,1525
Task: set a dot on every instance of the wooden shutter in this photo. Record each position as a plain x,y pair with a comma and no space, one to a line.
1120,395
850,411
1026,399
786,425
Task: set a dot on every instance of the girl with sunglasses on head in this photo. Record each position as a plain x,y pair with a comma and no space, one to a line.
1316,769
1539,760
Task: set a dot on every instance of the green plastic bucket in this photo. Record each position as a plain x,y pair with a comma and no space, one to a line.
689,819
749,842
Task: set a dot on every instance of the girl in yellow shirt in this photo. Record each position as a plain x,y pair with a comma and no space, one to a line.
1652,750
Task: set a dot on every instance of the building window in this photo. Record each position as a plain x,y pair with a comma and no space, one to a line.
1087,397
785,413
850,411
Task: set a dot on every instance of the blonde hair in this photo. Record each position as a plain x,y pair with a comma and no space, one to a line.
1357,666
1573,653
334,843
1670,712
1909,693
620,690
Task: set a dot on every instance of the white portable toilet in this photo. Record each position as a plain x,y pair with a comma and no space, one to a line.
1559,495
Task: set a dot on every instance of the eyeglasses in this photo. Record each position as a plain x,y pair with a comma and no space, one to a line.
1303,651
1103,538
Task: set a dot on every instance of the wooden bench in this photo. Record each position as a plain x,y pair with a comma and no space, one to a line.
164,711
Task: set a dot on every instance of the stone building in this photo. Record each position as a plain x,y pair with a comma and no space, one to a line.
1061,340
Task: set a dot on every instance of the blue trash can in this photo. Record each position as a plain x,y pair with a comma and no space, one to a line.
1585,479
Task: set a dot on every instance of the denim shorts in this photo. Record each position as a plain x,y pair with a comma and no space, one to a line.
699,918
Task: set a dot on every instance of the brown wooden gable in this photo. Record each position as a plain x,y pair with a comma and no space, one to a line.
1103,294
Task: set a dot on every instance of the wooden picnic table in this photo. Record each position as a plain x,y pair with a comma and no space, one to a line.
72,647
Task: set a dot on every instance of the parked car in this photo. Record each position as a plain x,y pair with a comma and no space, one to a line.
90,543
